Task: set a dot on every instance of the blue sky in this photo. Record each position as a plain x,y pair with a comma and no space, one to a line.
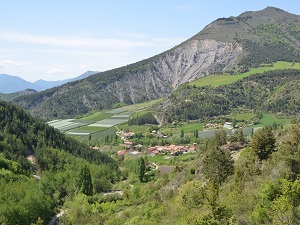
58,39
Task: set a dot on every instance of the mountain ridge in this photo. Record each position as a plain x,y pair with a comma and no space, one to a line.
225,45
10,84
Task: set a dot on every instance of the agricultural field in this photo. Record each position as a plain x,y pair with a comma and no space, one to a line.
100,124
243,116
92,124
141,106
111,121
218,80
96,116
268,119
68,124
134,128
99,135
186,127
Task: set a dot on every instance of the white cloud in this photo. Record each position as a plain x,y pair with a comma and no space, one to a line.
131,41
55,71
13,63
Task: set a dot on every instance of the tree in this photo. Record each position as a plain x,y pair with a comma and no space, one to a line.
279,203
217,166
290,148
263,142
220,137
238,136
181,133
196,133
84,181
191,194
141,169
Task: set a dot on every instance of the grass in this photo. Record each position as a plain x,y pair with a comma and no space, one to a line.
268,119
243,116
161,159
171,160
190,127
218,80
97,116
89,129
97,135
186,127
140,106
111,121
139,113
134,128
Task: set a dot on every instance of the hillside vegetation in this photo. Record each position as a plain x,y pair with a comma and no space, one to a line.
260,186
274,91
29,147
218,80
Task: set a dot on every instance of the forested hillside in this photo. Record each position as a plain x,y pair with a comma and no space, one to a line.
11,96
62,166
273,91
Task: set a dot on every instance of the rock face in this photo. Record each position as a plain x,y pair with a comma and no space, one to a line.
153,79
190,61
185,63
195,59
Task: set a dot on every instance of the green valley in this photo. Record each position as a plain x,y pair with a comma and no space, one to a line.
206,133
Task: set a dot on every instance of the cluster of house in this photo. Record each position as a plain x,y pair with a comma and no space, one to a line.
125,135
211,125
131,148
127,152
174,150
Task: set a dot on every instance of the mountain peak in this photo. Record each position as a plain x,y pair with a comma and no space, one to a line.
232,44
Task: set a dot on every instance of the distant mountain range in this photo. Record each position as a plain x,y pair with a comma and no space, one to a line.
11,84
227,45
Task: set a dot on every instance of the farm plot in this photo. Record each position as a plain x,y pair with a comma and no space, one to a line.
78,133
65,125
116,111
111,121
86,130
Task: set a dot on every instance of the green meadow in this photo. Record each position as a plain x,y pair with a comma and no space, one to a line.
97,116
218,80
268,119
186,127
242,116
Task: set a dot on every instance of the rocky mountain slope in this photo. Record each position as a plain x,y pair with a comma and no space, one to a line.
227,44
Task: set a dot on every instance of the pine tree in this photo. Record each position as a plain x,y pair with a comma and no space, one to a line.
263,142
84,181
141,169
217,166
181,134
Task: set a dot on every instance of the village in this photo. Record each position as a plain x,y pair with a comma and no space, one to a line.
130,148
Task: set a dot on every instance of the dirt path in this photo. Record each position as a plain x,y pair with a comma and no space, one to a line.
236,154
55,219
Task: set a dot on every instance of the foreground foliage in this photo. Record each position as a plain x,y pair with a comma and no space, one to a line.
210,189
62,166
